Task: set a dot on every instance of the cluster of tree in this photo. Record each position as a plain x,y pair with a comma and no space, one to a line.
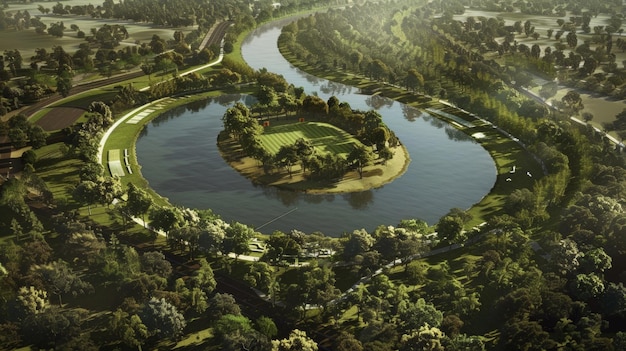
20,20
22,133
83,138
149,304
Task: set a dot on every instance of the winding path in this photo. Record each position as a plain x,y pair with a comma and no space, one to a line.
124,118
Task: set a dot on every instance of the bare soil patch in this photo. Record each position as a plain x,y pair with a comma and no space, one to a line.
59,118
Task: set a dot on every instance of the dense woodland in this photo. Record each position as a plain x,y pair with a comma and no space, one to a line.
546,271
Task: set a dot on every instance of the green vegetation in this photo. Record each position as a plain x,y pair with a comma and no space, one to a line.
543,272
323,137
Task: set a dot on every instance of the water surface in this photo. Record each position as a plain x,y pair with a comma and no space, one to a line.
180,159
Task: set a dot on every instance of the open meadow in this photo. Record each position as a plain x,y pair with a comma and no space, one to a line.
324,137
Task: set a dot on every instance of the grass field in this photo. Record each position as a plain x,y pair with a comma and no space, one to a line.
324,137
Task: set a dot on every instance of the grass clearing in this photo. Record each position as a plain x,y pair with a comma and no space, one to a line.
323,136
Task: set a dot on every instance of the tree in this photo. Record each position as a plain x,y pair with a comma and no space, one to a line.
154,262
266,95
524,335
90,171
449,228
378,70
280,244
426,338
357,243
347,342
86,193
261,276
212,236
418,314
163,319
304,150
266,326
355,59
360,156
59,279
287,156
128,329
29,301
586,286
386,154
203,277
109,189
573,101
565,256
613,300
38,137
236,334
520,200
572,39
414,80
237,238
297,341
138,202
221,305
64,80
53,326
315,106
165,218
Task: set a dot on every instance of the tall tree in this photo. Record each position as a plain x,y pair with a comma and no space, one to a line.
297,341
163,319
59,278
237,238
64,80
204,278
86,193
361,156
128,329
138,202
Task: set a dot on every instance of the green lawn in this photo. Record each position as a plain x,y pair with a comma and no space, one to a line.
324,137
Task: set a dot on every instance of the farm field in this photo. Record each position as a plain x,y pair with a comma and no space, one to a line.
27,41
324,137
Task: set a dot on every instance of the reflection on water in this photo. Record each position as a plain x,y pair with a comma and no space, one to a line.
411,113
180,159
377,102
360,200
456,134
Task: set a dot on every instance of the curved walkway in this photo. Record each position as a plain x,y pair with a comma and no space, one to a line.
136,111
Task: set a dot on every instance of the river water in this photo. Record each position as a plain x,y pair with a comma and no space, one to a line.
179,157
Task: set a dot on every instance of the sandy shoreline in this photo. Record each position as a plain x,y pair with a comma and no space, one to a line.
374,176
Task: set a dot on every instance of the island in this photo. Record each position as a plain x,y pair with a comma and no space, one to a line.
315,152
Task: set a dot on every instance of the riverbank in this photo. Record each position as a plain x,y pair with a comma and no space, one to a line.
374,176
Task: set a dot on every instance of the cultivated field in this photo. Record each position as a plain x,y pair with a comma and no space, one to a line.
324,137
59,118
